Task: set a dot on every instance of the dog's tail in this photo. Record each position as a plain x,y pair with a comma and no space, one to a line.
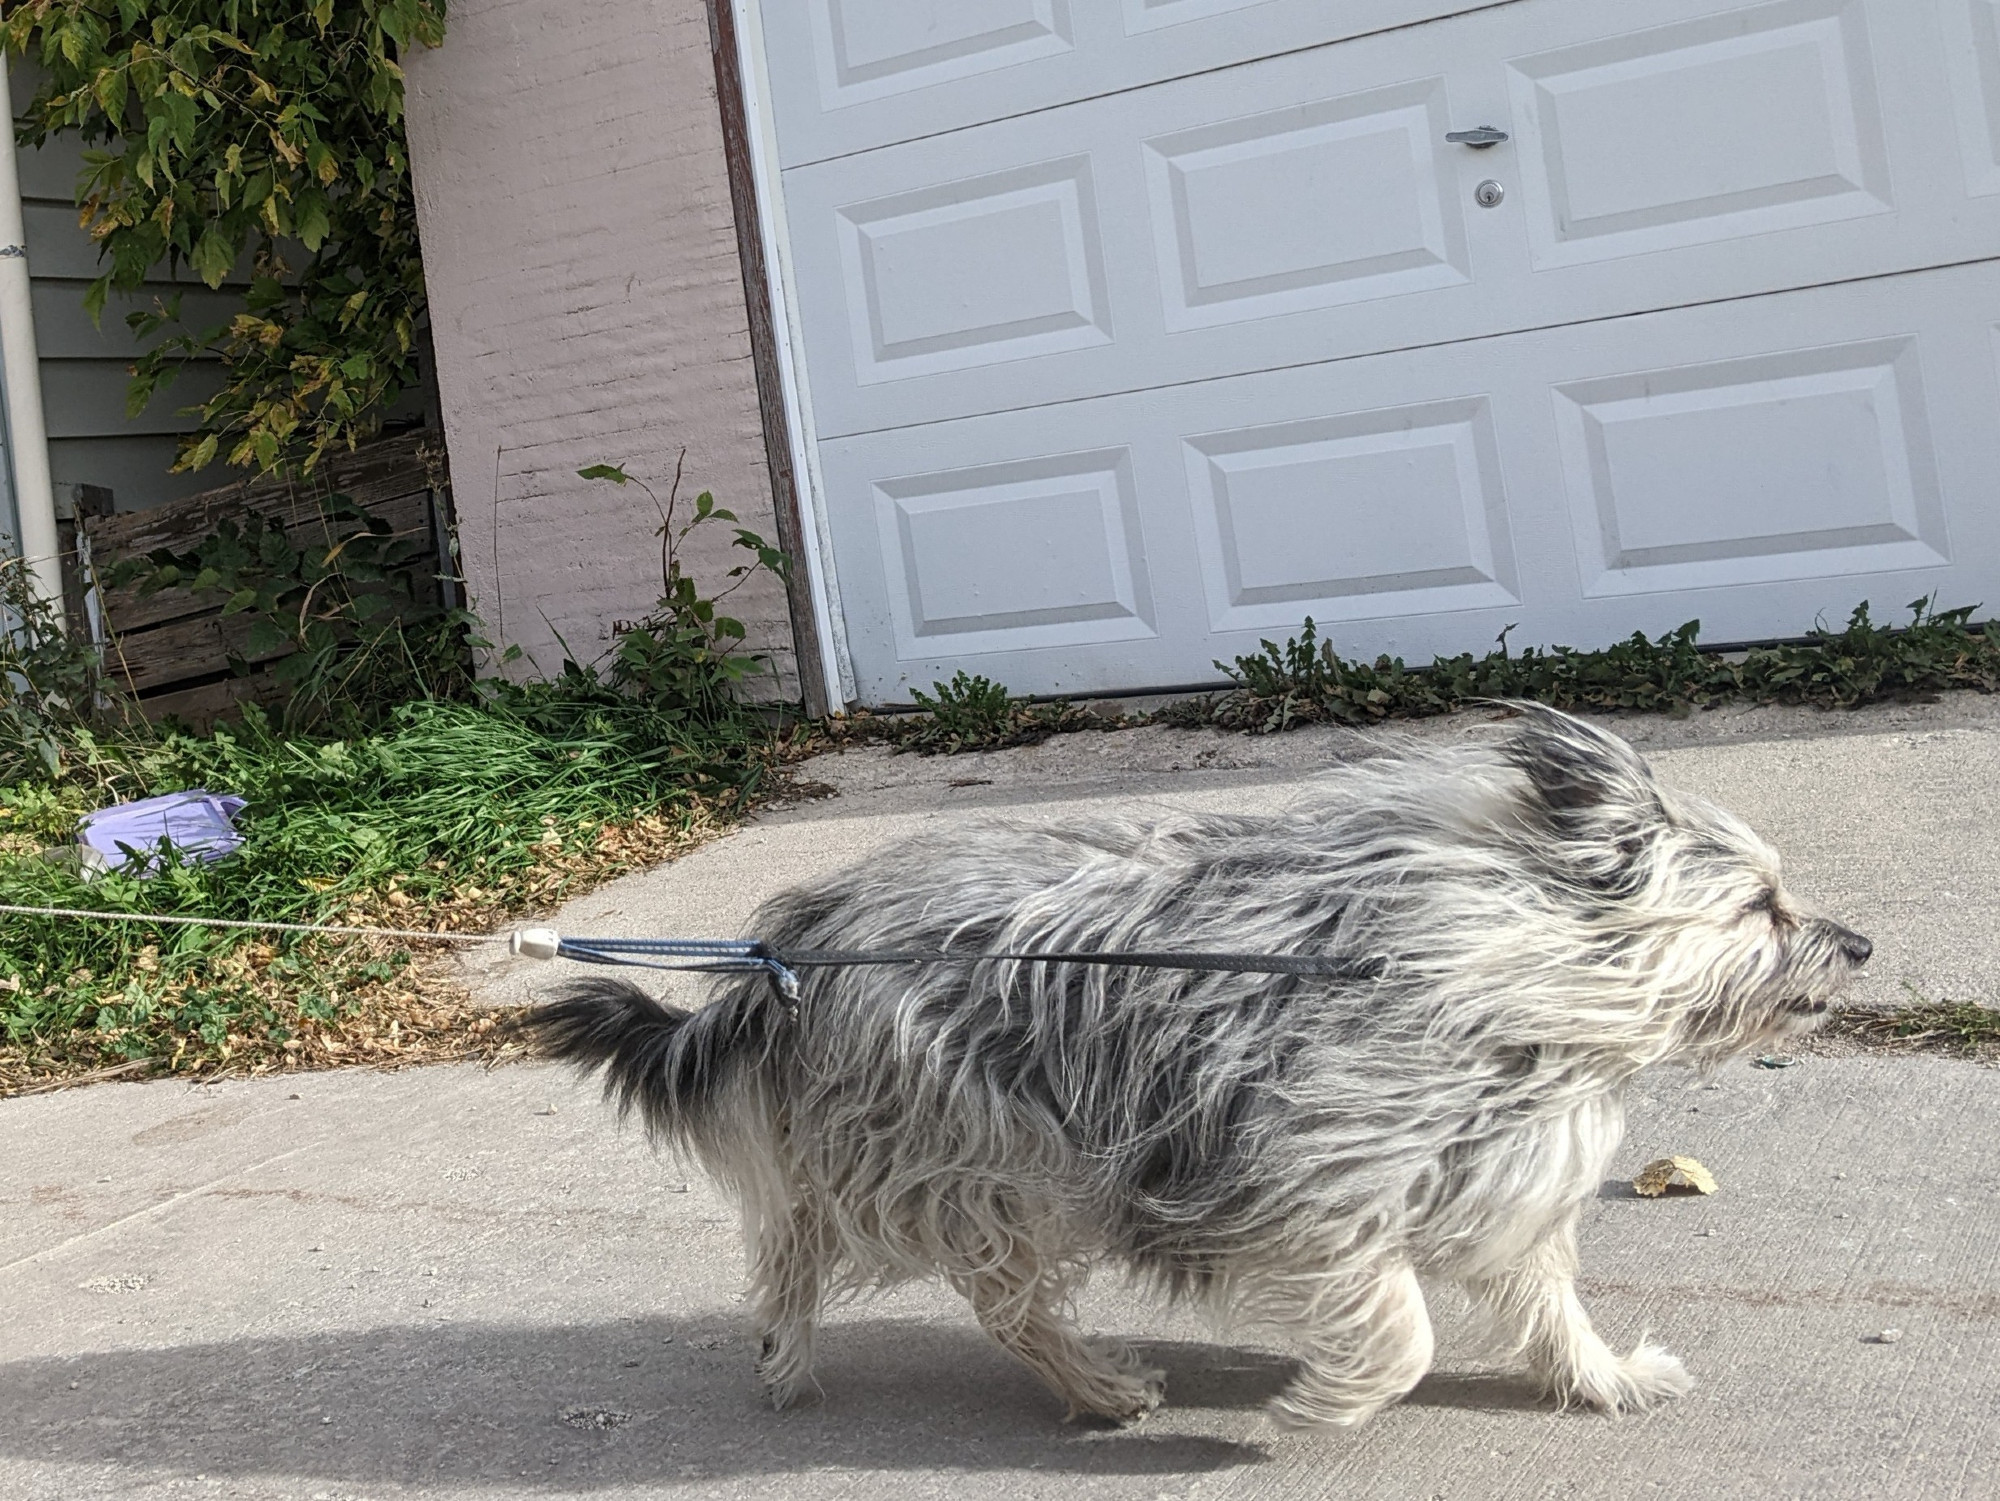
671,1066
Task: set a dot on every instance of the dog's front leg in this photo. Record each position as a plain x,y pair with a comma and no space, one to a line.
1021,1306
1367,1341
1536,1305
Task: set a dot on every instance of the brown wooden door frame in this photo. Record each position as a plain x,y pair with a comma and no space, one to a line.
792,537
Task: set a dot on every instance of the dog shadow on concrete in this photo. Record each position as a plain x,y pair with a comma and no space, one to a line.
575,1408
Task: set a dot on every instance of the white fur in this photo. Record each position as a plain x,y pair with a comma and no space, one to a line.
1289,1152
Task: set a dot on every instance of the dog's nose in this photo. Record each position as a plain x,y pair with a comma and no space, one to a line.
1854,946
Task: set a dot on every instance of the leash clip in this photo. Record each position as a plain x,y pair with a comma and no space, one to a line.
784,979
534,943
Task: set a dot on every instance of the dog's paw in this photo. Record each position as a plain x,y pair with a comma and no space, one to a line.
1655,1376
798,1390
786,1375
1130,1396
1293,1411
1643,1379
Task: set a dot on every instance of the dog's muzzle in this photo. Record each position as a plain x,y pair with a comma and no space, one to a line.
1852,947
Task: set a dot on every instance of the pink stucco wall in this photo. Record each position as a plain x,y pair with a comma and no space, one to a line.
587,306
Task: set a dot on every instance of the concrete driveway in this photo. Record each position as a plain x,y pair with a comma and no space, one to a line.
463,1283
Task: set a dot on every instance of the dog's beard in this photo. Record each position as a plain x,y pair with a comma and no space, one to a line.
1782,989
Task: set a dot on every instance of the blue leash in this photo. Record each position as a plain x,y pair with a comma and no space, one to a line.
708,956
751,956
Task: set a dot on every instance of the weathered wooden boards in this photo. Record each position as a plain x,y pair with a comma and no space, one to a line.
174,649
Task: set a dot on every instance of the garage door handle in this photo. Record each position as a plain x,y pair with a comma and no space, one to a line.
1481,139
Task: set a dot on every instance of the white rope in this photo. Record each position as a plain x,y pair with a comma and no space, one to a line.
266,927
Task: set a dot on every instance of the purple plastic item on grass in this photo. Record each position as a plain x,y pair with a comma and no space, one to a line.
196,823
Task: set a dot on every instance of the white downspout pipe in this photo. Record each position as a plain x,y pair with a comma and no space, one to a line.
20,366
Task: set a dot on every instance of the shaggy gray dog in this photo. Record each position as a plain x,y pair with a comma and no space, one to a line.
1544,920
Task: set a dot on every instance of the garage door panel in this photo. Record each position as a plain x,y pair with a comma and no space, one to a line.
1002,266
1805,464
1151,15
852,75
1159,354
1400,510
873,49
1038,552
1972,37
1727,126
1760,465
1319,205
1308,207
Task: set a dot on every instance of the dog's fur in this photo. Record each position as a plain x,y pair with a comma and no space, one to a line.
1290,1151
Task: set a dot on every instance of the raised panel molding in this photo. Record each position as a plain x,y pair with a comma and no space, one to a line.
1368,514
1972,37
1316,205
1808,464
1034,552
1151,15
1751,120
851,76
871,48
991,268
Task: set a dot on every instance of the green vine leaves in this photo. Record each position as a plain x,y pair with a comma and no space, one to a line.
259,140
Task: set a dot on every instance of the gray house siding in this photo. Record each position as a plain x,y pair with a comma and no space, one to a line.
84,367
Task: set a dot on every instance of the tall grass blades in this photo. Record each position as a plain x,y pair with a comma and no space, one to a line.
454,811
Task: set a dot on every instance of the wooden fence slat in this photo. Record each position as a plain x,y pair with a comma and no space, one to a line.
182,650
127,609
382,471
170,647
208,702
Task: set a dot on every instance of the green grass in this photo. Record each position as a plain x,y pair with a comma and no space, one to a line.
453,812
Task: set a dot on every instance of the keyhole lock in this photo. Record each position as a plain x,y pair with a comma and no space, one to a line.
1489,194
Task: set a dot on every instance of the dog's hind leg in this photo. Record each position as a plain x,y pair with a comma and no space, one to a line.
788,1260
1536,1306
1366,1343
1021,1306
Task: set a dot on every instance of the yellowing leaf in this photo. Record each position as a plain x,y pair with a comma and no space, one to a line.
1673,1175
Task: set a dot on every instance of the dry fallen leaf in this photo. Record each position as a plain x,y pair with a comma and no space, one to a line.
1673,1174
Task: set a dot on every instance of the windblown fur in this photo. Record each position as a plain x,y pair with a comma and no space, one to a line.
1294,1152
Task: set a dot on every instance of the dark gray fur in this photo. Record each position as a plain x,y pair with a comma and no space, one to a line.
1287,1150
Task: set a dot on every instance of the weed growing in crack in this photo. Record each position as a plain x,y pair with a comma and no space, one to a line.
1306,681
1966,1028
973,713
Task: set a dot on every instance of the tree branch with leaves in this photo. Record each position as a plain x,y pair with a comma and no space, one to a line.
272,130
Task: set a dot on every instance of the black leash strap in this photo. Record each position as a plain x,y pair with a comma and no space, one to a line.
748,956
1247,964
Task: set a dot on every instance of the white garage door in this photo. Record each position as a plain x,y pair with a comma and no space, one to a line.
1137,331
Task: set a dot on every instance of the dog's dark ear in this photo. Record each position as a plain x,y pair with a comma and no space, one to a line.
1584,775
